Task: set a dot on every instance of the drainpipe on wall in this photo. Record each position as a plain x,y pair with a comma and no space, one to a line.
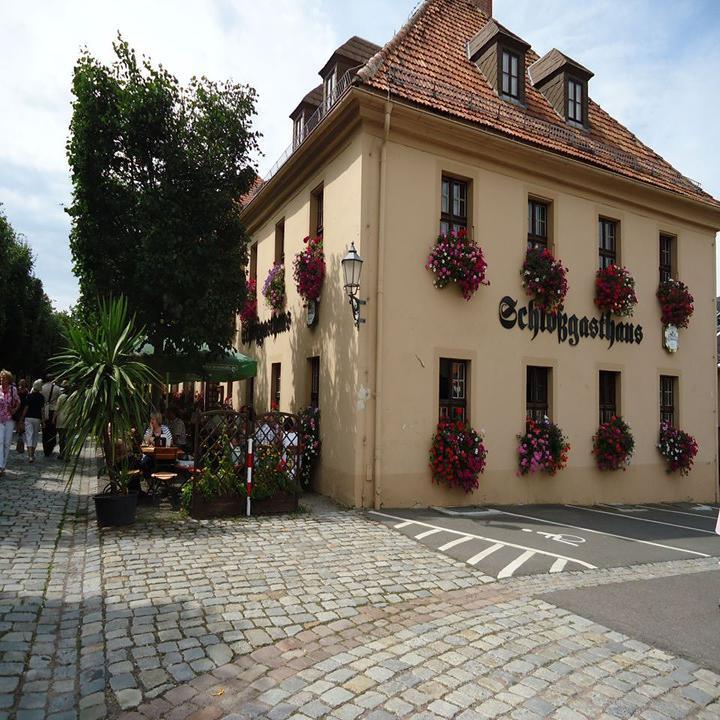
379,293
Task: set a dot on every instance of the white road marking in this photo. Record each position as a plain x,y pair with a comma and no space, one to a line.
648,520
475,559
465,513
402,524
510,568
680,512
564,538
427,533
624,508
600,532
454,542
486,539
558,566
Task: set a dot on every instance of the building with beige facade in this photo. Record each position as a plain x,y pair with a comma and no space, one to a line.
457,122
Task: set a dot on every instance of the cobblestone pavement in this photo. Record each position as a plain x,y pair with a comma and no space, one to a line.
309,616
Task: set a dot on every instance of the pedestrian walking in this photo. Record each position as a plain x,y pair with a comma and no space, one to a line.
32,416
61,422
9,403
23,391
51,393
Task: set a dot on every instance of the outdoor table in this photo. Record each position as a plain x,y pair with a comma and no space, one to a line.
161,453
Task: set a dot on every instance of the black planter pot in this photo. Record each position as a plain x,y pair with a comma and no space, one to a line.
115,510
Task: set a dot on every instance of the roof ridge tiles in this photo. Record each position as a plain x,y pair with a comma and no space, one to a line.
430,51
369,70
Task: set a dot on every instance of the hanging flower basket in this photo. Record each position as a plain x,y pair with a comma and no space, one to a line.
615,290
543,448
676,303
457,456
274,287
248,310
678,448
544,279
309,269
613,445
457,258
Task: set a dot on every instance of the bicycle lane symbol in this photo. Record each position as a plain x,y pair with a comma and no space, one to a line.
564,538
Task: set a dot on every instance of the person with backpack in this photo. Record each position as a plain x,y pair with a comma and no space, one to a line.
9,403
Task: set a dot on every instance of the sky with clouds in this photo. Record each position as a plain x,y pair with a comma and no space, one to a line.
654,61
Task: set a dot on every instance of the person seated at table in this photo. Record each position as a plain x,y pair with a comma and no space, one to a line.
157,435
177,428
157,432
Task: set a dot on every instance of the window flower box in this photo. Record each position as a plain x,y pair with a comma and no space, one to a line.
544,279
457,456
676,303
615,291
678,448
309,269
543,448
457,258
248,310
274,287
613,445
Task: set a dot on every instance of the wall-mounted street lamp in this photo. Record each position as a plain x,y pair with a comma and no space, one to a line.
352,267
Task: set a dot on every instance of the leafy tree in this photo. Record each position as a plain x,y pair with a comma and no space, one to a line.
108,384
30,330
157,171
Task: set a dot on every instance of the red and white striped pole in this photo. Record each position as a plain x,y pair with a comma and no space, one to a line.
249,465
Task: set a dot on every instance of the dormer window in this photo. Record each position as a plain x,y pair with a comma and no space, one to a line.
298,130
564,83
329,88
575,100
500,56
510,74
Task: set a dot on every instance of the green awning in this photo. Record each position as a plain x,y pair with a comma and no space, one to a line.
215,366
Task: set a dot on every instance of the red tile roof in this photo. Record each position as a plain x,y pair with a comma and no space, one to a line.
426,63
250,194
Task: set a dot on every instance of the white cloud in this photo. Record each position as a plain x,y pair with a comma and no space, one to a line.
647,74
277,49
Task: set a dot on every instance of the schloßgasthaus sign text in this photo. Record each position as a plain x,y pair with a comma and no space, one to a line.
567,328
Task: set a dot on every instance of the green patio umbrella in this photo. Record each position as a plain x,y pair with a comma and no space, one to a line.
215,366
227,366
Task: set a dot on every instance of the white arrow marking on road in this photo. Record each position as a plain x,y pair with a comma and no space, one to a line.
656,522
475,559
558,565
455,542
510,568
427,533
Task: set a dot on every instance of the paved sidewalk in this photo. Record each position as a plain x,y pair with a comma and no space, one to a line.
306,616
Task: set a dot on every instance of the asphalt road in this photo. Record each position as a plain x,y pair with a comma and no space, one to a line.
677,614
532,539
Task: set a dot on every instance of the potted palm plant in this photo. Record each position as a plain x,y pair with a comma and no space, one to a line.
108,398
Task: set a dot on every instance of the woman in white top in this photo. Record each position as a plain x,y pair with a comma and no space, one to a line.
156,431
